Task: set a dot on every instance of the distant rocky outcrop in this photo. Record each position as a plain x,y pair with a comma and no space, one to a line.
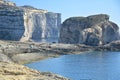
113,46
92,30
27,23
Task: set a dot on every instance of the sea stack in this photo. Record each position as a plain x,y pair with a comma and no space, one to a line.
93,30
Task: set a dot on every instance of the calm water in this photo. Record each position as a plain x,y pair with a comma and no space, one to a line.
87,66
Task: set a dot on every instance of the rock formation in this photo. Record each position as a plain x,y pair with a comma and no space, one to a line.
6,2
92,30
27,23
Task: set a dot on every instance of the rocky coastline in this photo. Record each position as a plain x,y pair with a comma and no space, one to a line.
12,71
14,53
26,52
27,24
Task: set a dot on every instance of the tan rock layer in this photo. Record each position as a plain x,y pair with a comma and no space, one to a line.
11,71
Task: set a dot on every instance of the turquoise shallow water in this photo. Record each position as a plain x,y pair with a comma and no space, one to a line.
86,66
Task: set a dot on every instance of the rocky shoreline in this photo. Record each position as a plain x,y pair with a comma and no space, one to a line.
13,53
25,52
11,71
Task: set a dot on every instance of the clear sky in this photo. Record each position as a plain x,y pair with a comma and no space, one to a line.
70,8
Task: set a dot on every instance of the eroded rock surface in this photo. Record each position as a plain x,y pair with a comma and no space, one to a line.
92,30
11,71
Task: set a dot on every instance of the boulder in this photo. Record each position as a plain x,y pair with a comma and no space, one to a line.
92,30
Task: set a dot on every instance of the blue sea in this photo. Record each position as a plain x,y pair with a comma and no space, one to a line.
85,66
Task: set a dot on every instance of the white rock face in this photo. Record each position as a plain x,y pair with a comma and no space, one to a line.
27,23
41,25
92,30
6,2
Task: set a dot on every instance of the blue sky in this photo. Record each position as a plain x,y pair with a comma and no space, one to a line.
70,8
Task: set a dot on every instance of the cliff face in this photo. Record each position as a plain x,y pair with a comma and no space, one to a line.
6,2
27,23
92,30
11,22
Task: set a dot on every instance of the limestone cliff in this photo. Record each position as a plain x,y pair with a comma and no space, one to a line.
27,23
92,30
6,2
